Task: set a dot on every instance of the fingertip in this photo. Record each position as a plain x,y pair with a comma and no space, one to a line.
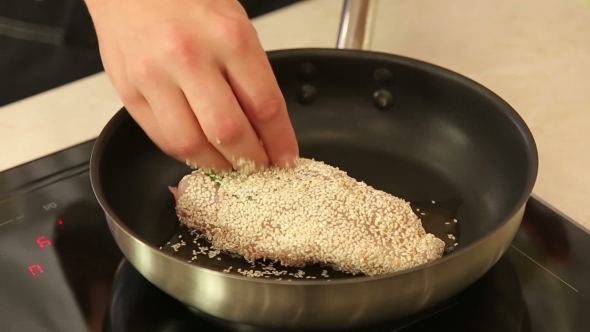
283,150
286,161
248,165
209,163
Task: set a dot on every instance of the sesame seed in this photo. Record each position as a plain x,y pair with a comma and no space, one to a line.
307,214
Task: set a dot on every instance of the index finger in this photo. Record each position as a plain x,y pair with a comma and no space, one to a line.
254,84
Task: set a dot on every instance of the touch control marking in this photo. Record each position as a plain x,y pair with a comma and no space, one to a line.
11,220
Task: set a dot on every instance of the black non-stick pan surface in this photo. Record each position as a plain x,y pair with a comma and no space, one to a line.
464,159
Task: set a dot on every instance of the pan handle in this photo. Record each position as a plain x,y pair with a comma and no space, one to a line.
356,24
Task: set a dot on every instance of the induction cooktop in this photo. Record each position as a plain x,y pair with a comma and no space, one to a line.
60,270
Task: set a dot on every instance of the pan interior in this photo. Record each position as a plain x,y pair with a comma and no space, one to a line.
437,218
439,139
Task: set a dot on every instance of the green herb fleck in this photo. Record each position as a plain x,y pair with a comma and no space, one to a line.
215,177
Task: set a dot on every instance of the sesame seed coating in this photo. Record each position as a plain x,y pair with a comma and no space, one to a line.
310,213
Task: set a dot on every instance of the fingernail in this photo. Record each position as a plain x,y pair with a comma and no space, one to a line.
287,161
246,166
191,164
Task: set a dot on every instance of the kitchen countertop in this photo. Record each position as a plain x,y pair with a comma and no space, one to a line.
533,53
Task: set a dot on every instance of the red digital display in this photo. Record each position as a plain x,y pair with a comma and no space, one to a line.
42,242
36,270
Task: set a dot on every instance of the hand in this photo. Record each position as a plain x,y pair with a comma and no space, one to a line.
193,75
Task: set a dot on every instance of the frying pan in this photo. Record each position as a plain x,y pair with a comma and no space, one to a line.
418,131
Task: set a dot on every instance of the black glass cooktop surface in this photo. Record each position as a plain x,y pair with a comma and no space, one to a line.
60,270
